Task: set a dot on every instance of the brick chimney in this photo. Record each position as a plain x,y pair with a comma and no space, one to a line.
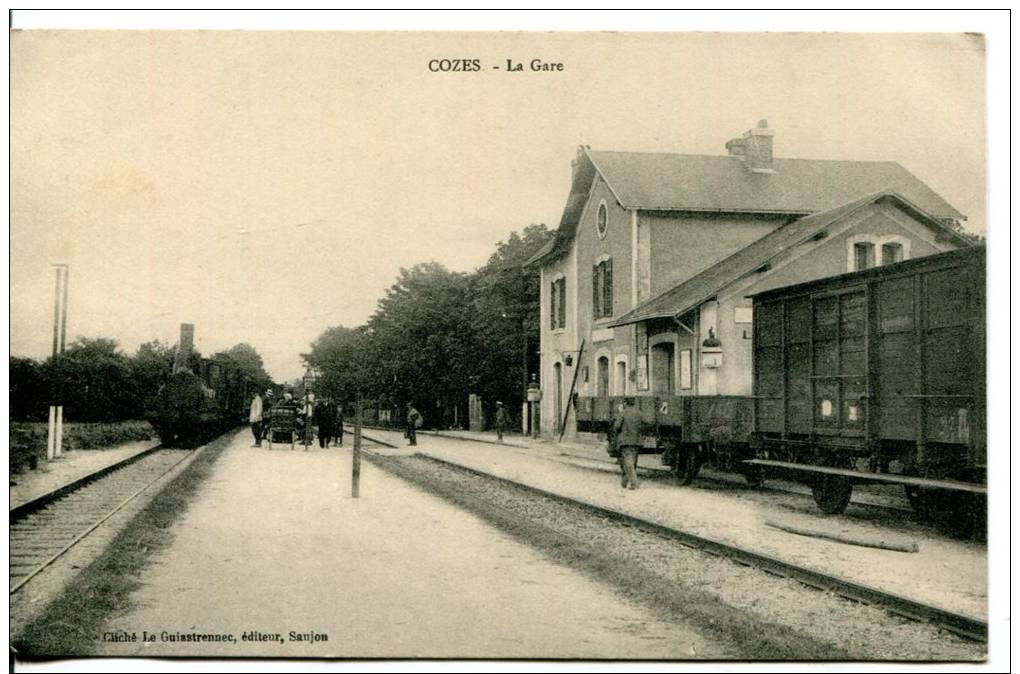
184,348
754,148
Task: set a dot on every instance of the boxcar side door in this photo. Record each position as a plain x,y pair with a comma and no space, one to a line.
839,365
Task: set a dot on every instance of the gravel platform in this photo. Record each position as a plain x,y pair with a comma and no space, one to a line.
760,615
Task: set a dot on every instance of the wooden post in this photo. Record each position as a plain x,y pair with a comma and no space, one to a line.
59,445
570,396
356,458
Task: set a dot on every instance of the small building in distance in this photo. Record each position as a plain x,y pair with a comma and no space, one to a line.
655,255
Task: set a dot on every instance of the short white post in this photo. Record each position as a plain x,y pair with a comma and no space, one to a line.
51,433
58,445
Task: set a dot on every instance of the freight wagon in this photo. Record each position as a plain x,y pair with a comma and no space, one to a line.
873,376
876,376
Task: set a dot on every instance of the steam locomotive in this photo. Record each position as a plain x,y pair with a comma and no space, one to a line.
200,400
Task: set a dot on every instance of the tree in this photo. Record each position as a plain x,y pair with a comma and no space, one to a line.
95,381
423,332
340,355
957,226
244,358
507,306
438,335
151,367
29,390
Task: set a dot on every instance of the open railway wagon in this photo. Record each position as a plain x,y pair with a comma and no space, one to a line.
877,376
687,431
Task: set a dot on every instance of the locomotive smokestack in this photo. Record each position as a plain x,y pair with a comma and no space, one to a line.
184,348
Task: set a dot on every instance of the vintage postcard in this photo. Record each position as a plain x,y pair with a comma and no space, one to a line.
608,346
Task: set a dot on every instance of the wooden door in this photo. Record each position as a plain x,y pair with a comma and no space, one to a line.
663,378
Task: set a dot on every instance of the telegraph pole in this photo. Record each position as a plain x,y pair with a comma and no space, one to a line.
356,458
55,428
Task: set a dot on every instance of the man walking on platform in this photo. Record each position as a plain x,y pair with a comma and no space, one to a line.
324,417
255,418
628,435
502,421
267,404
413,424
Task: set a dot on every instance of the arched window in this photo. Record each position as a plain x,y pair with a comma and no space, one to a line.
620,381
602,383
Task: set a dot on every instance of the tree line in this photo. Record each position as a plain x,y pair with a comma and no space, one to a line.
438,335
99,382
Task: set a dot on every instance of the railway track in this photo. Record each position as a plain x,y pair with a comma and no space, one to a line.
962,625
44,529
607,465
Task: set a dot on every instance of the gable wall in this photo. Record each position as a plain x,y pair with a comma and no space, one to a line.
684,244
808,262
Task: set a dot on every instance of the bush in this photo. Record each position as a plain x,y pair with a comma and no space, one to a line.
28,440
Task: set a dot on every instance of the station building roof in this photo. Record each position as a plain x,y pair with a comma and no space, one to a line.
666,182
703,286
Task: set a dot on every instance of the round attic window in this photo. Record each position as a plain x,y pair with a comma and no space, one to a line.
602,220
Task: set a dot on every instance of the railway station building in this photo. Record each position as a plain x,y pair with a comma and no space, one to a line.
645,283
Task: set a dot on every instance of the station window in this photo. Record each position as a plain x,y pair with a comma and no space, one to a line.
892,252
864,255
602,289
602,220
558,304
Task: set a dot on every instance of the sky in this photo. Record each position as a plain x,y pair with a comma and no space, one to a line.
265,186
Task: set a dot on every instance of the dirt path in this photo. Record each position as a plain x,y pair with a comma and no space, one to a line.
275,544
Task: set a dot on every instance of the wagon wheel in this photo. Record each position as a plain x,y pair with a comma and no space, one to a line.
961,515
754,475
832,493
685,464
919,500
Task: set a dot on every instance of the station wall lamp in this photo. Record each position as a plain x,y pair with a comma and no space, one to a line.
568,359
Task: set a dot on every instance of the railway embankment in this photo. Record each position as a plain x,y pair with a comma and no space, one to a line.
60,609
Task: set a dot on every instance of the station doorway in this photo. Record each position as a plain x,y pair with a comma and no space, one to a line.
663,377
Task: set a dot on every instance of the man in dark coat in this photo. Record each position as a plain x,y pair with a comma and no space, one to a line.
413,422
502,421
324,417
628,434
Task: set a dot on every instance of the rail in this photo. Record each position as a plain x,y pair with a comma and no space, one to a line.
43,544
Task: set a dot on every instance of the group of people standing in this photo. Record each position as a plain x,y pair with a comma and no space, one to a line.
624,440
326,415
329,419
